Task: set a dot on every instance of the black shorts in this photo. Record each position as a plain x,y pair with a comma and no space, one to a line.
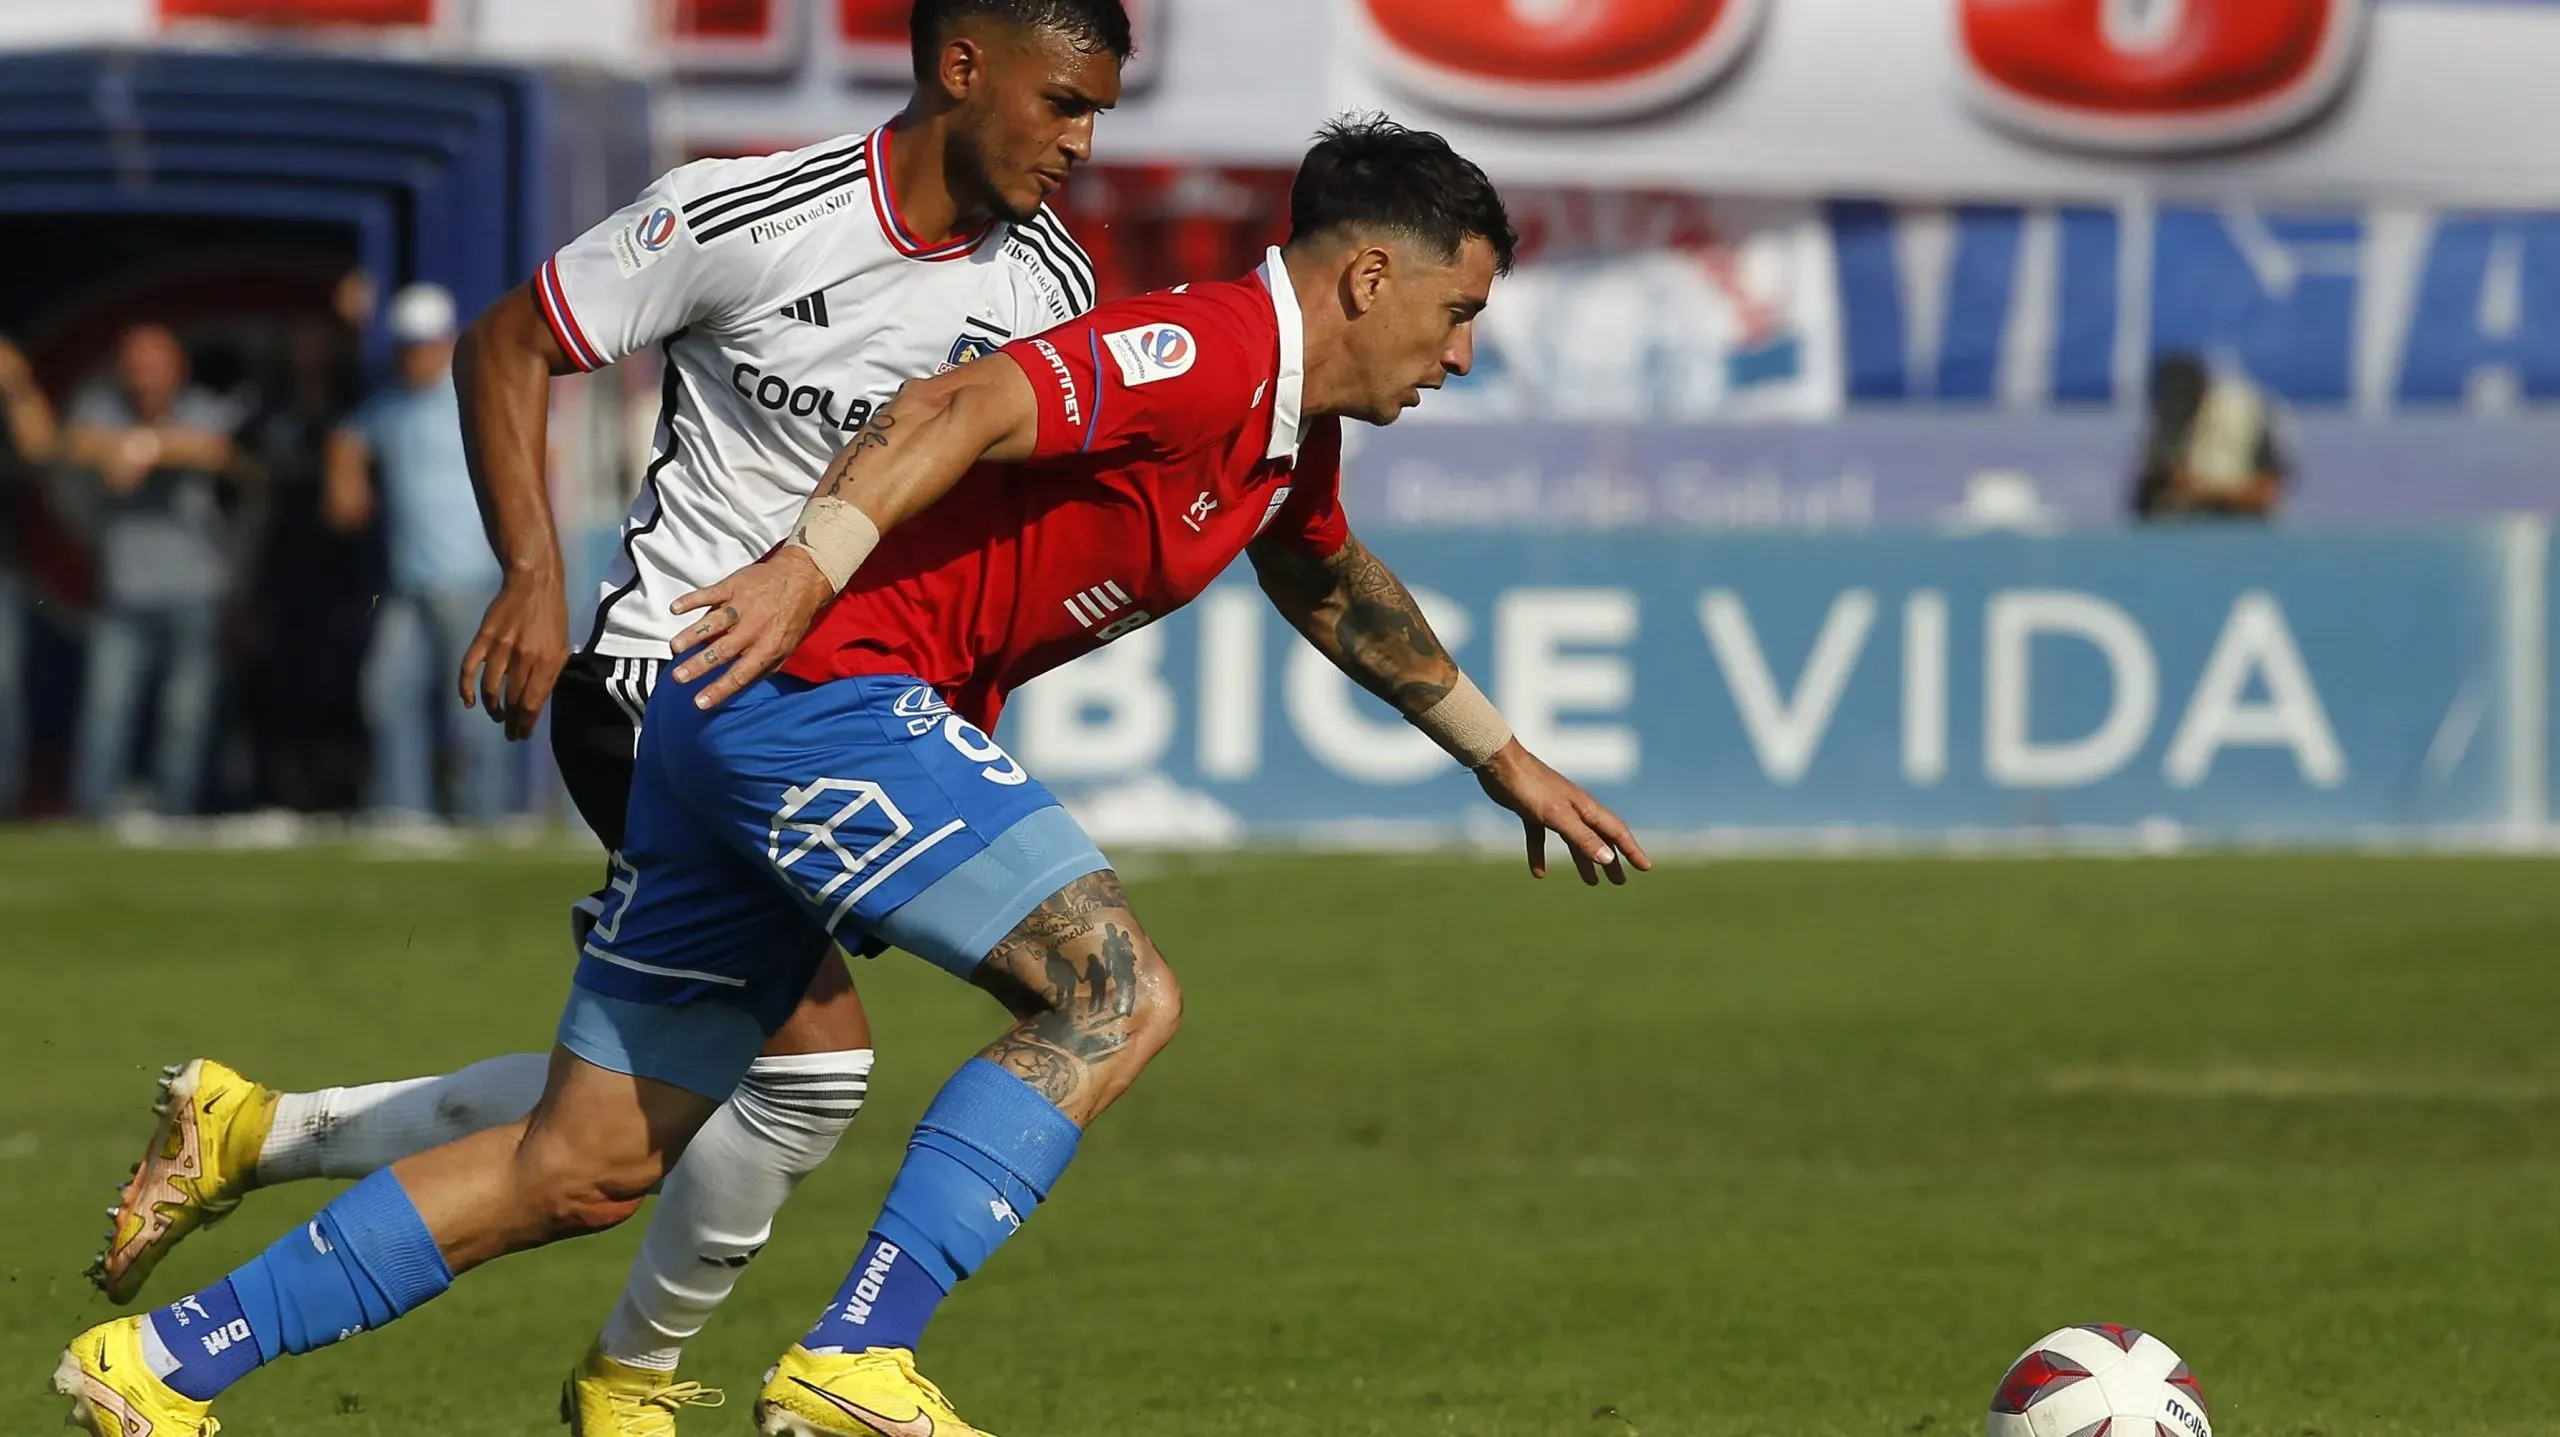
595,735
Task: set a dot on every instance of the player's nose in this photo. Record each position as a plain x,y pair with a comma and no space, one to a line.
1077,142
1460,356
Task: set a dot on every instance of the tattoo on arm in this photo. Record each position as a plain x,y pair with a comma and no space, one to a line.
1354,609
874,434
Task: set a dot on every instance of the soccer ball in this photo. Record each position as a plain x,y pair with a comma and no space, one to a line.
2099,1380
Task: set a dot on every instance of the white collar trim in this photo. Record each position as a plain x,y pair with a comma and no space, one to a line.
1288,399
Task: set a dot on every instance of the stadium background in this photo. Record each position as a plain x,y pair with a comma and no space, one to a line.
1771,370
1789,508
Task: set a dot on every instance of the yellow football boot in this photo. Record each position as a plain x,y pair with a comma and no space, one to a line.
202,1157
605,1398
114,1394
874,1393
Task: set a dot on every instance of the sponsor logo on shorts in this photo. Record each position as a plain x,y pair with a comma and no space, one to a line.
1158,351
922,708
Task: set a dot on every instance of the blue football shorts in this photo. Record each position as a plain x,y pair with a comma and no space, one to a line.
861,812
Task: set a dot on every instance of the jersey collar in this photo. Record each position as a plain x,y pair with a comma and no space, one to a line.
1288,396
884,201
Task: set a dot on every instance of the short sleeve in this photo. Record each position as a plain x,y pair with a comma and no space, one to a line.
1311,521
640,276
1155,373
98,407
366,421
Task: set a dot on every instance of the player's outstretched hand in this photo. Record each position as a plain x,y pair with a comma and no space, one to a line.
516,658
1547,801
758,616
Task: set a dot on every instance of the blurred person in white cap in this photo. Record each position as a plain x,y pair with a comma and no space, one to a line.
399,459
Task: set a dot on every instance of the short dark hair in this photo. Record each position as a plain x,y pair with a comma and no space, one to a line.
1367,171
1092,26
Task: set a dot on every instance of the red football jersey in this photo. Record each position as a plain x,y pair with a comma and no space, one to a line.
1171,436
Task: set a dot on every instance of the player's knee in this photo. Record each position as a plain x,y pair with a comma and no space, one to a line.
1155,1014
576,1211
573,1193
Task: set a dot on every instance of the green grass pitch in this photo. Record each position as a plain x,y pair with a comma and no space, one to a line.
1750,1148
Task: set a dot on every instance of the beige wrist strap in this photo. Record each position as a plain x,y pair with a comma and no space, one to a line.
1466,724
838,537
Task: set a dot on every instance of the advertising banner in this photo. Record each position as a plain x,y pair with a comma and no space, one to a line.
1937,471
2232,685
1992,98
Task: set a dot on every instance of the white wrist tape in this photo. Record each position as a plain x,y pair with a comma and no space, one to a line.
1466,724
838,536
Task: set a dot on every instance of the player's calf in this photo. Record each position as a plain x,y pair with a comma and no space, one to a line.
1093,1002
580,1163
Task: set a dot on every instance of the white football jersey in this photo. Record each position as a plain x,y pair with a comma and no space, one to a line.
791,301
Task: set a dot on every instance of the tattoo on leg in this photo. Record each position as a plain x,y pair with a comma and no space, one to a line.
1069,975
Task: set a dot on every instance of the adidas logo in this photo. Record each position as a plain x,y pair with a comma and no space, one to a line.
808,309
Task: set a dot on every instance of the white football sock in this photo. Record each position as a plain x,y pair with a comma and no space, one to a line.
716,1209
350,1132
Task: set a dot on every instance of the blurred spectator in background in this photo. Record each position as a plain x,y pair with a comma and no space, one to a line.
26,444
316,578
160,450
441,574
2211,450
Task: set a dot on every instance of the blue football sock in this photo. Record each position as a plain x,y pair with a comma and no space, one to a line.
364,1261
988,1150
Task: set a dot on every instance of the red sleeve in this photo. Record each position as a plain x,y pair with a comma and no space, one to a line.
1312,520
1162,371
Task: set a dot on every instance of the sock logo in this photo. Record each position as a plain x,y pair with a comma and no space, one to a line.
319,1244
1003,1212
857,1309
223,1339
185,1305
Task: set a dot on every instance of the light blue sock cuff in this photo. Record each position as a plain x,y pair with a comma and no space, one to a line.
387,1238
1006,1120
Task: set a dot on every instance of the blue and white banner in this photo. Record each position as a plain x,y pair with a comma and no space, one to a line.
2364,308
2231,685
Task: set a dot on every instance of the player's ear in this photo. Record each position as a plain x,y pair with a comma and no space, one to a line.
1364,283
963,69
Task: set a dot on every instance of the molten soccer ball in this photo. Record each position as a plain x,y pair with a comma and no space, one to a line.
2099,1380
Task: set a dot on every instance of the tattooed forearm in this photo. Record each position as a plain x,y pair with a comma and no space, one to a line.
1354,609
874,434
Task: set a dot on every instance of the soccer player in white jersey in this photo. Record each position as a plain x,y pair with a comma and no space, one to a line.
790,296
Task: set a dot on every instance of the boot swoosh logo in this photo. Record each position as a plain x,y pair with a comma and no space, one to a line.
920,1425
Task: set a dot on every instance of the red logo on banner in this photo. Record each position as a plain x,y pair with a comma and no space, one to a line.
875,22
1557,59
725,19
377,13
2160,74
734,37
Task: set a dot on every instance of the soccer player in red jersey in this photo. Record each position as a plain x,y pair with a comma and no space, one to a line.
1097,477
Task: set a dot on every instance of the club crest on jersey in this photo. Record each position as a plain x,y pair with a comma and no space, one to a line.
970,347
1159,351
644,242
